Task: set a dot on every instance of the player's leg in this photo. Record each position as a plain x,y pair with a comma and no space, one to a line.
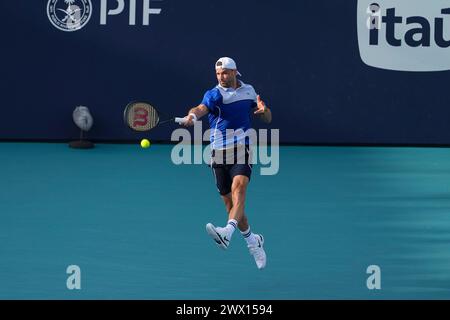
228,202
255,242
238,193
222,236
243,225
236,215
240,174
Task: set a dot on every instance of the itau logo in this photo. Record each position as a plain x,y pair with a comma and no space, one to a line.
405,35
69,15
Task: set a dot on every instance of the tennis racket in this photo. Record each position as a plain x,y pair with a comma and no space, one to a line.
142,116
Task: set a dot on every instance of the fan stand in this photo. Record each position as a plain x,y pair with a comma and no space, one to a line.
81,144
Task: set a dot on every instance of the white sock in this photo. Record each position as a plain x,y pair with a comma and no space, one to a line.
231,226
249,236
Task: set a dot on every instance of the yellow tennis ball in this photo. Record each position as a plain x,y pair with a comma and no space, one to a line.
145,143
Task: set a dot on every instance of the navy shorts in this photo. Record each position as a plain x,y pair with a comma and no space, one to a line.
228,164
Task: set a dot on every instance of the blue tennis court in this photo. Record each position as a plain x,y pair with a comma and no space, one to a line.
135,224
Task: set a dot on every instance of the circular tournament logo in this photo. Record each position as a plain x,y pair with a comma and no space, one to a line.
69,15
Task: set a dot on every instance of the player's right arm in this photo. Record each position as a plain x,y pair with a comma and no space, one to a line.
208,104
195,114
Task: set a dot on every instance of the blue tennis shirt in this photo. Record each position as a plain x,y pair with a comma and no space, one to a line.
229,108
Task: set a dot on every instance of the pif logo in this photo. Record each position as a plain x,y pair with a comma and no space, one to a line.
405,35
73,15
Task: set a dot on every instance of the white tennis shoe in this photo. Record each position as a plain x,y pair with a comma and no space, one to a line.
257,251
219,235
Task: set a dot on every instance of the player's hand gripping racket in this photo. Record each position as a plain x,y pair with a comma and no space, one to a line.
142,116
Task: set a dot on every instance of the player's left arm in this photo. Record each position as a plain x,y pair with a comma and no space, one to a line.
262,111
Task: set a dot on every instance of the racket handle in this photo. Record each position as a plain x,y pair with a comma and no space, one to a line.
182,120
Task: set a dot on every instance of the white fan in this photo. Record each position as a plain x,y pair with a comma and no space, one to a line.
83,120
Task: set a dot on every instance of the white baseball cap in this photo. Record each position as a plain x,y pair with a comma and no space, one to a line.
227,63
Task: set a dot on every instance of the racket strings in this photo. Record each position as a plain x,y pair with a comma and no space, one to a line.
142,116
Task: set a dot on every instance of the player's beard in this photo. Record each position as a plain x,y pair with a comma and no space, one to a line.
227,84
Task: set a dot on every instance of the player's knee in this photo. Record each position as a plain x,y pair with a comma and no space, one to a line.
239,186
240,183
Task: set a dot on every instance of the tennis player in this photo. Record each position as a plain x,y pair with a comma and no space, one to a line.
230,105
